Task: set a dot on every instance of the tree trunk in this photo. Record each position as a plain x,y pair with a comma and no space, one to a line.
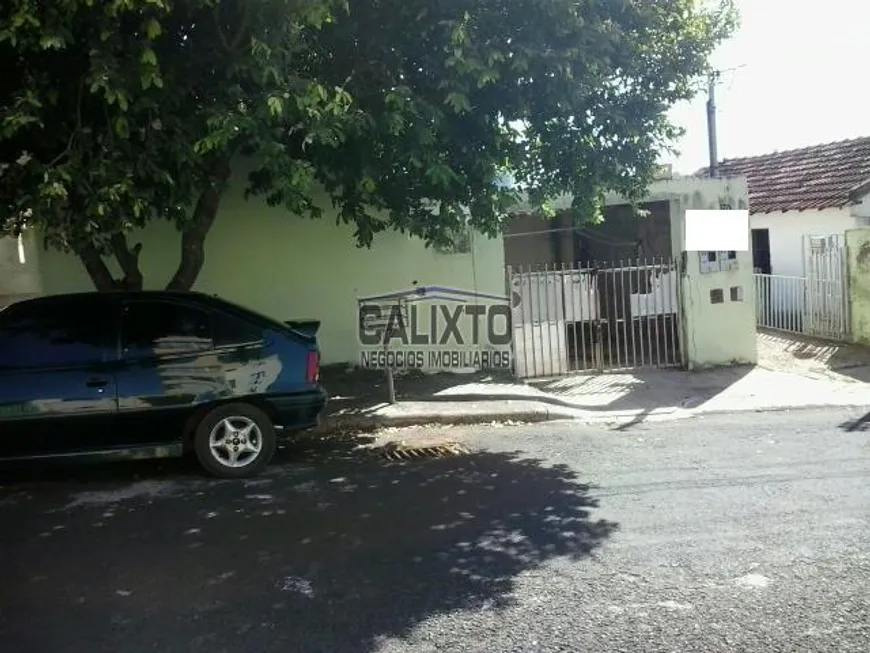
192,245
98,271
96,267
194,234
128,259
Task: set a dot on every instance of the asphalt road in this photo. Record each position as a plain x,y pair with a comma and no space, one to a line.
729,533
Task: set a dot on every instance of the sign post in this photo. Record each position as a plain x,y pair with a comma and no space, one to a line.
389,318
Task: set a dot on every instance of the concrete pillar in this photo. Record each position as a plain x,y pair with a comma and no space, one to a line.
718,303
858,283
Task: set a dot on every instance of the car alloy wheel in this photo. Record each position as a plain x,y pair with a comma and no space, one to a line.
235,441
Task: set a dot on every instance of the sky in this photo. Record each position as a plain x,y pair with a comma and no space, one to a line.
800,80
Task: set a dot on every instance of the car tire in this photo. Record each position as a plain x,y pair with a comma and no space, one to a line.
235,441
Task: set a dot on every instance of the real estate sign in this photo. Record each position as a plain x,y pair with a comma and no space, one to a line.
434,327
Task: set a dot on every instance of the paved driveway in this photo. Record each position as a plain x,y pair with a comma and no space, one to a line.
717,534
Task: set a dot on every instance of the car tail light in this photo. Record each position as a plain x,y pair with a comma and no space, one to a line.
313,371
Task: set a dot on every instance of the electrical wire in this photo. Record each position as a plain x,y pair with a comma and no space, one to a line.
583,230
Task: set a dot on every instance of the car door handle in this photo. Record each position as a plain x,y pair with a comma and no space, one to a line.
97,383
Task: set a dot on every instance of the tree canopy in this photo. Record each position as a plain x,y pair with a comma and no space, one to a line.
410,114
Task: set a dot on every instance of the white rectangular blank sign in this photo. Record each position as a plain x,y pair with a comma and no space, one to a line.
717,230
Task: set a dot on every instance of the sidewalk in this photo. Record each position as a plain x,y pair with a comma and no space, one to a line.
359,397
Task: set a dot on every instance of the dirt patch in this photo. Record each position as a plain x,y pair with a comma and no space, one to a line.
386,443
813,356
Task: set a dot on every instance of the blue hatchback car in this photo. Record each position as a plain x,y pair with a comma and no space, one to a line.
152,374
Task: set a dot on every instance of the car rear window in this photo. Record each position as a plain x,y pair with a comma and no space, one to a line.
160,328
230,330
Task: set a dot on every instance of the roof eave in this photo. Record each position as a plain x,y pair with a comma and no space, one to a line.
793,209
857,193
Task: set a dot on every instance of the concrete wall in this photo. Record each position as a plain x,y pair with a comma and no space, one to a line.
721,333
788,229
19,268
858,270
533,241
626,236
528,242
288,267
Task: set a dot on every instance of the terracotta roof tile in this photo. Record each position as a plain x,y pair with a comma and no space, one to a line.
816,177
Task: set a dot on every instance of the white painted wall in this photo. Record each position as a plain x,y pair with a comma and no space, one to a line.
788,229
19,269
293,268
862,209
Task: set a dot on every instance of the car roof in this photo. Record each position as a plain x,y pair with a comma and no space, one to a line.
124,294
212,301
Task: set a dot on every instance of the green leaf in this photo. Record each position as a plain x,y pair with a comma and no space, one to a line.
276,106
51,42
458,102
122,127
148,57
440,175
153,28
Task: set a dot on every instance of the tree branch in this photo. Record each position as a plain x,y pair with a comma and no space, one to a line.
216,15
233,44
76,128
243,26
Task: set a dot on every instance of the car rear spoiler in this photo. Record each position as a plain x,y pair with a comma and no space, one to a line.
306,329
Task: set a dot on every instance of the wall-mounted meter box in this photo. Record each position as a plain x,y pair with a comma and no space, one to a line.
718,261
709,262
727,260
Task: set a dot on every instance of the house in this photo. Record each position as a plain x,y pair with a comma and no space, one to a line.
624,294
278,264
821,190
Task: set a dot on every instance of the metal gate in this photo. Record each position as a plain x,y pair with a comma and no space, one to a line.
595,319
827,302
815,304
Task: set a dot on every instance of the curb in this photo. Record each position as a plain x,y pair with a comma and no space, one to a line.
780,409
374,422
363,423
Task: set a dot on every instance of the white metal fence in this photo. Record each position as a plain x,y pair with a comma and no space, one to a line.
603,318
814,305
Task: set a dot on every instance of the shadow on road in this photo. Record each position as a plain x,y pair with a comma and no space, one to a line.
332,557
861,423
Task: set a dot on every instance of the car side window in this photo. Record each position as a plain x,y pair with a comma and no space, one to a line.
154,328
53,334
229,330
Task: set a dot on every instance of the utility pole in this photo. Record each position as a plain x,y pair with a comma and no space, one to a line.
711,123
